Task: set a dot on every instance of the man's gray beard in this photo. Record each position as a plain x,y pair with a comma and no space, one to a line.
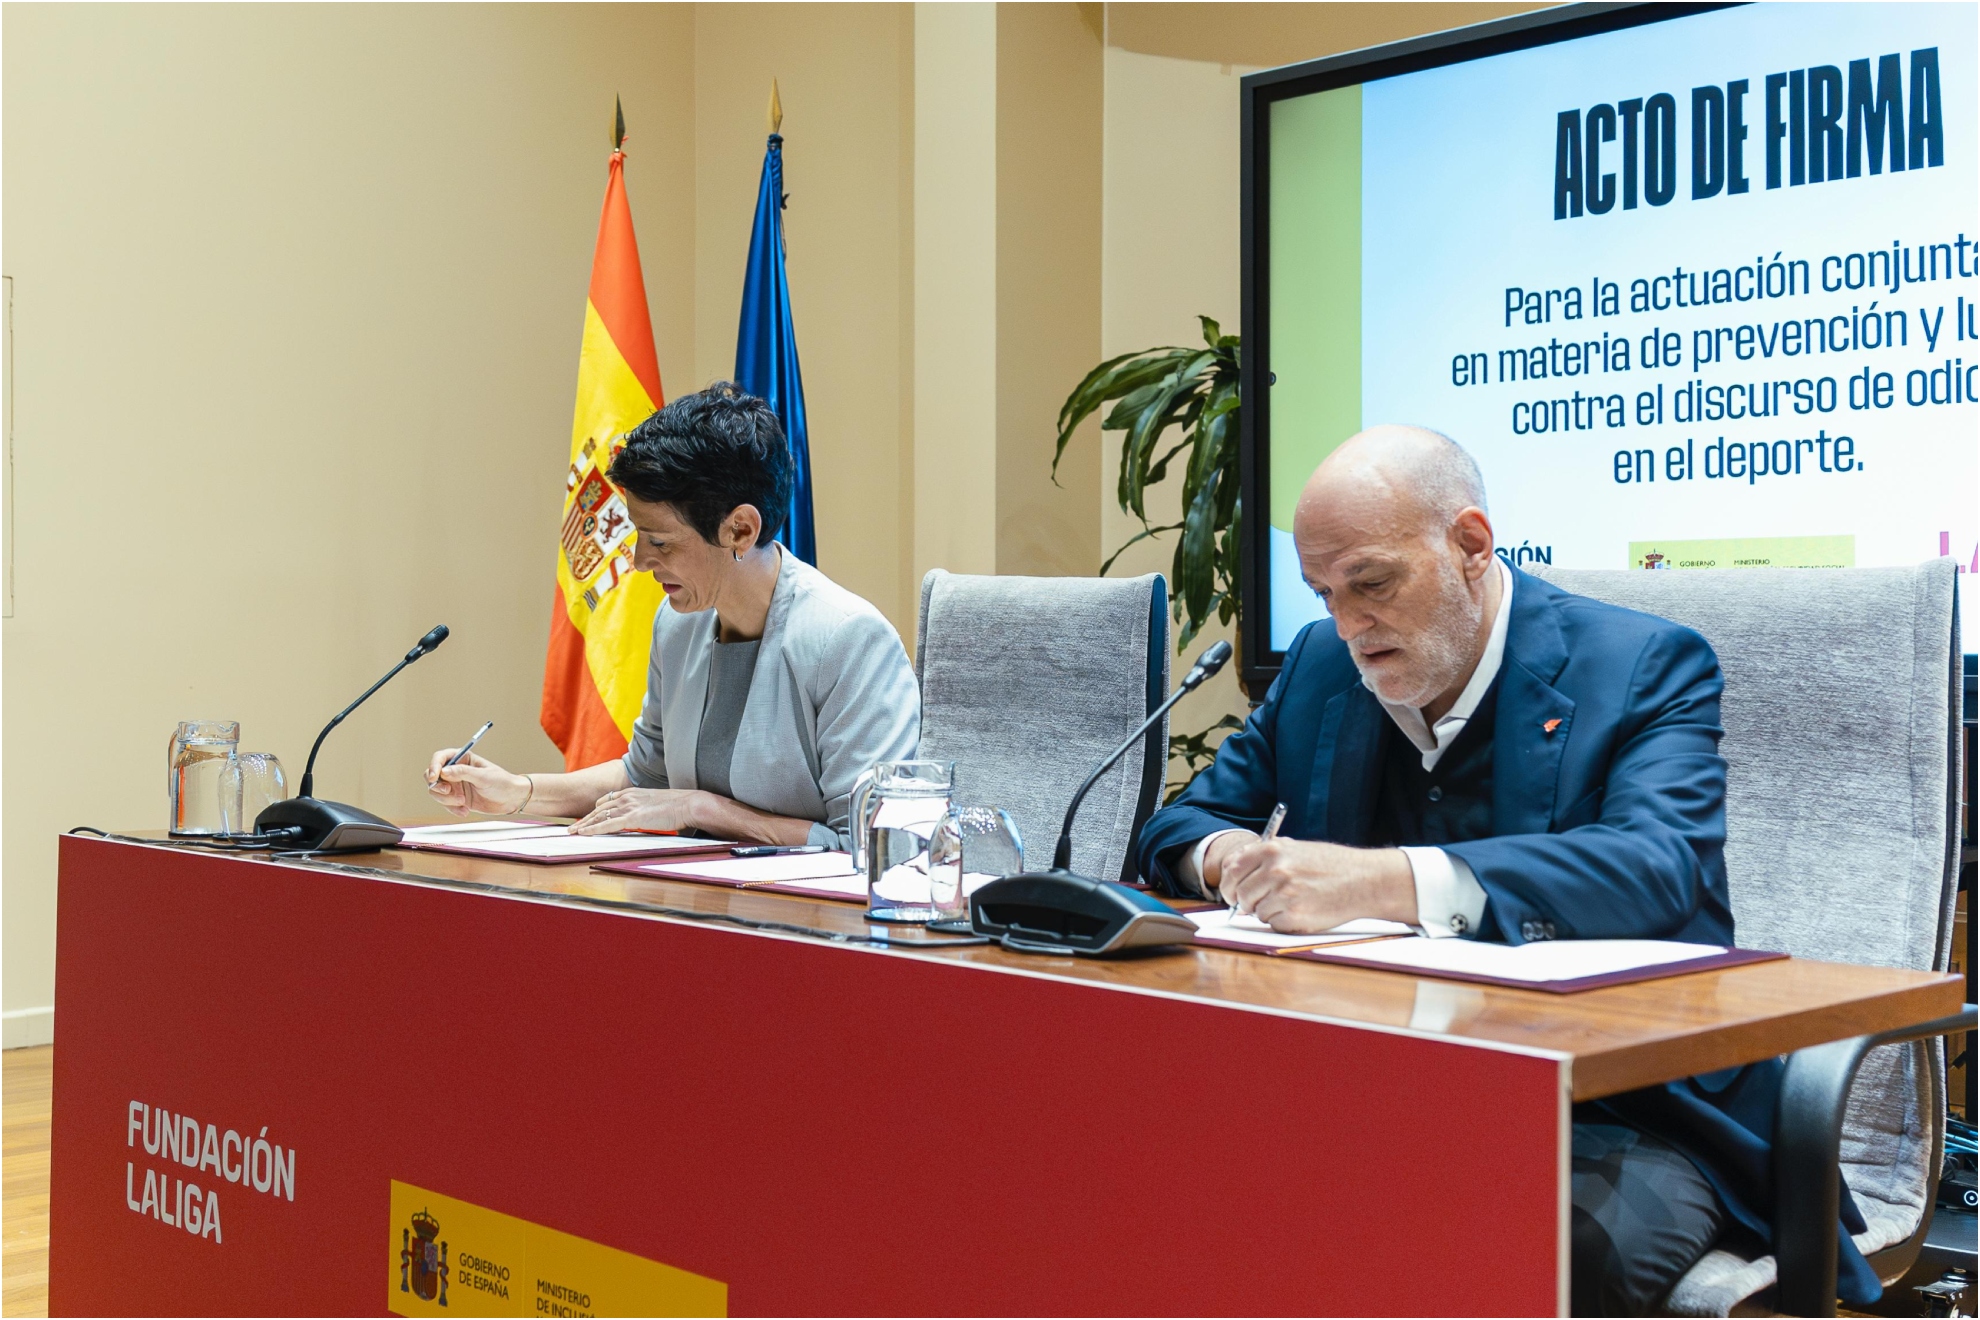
1440,653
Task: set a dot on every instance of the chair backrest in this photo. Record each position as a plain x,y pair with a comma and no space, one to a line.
1028,682
1842,747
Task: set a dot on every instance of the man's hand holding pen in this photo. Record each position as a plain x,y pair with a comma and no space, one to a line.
1300,886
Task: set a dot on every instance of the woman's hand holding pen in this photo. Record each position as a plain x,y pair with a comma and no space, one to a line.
474,783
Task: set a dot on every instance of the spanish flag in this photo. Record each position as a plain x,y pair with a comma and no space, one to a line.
601,621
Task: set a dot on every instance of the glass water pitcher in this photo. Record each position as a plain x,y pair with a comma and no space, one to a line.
896,807
194,770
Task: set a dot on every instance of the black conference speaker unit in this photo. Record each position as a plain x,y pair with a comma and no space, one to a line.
308,823
1061,911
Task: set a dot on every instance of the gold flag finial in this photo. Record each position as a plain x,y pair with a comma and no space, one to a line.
618,124
776,108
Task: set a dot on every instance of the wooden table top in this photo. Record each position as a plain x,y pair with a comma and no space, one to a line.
1612,1039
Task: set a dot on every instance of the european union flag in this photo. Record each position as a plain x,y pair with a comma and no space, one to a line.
766,347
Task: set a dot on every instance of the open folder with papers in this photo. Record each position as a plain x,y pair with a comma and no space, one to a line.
1557,966
813,875
548,842
1224,929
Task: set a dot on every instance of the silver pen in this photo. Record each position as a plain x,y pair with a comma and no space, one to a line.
1272,823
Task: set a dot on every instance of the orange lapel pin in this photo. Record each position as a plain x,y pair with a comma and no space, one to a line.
1551,725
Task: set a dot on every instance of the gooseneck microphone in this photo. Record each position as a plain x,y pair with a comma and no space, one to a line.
306,821
1206,667
424,646
1061,911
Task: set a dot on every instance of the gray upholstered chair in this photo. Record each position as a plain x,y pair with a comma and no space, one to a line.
1841,714
1027,683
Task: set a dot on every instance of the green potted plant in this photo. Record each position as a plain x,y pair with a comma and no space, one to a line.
1196,391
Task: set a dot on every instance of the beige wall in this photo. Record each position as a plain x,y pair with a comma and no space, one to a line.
955,288
297,295
1169,253
1049,97
296,298
845,73
1006,285
1262,35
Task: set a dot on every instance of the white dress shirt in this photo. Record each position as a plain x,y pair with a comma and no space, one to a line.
1449,899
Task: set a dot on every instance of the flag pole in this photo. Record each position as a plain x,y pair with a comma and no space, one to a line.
602,612
766,344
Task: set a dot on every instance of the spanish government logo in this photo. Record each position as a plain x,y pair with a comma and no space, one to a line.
496,1264
423,1262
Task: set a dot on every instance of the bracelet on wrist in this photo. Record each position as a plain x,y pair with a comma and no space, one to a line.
529,792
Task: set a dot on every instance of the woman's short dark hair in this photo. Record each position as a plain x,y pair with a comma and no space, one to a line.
706,453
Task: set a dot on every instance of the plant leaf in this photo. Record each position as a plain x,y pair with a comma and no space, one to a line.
1142,535
1196,551
1106,382
1198,391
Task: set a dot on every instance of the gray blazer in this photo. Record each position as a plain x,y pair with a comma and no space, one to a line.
833,693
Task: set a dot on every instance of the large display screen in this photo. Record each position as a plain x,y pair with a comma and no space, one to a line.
1695,292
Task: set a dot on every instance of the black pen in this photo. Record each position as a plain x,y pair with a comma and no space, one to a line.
470,743
775,850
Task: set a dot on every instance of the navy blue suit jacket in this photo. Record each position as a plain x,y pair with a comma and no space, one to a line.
1611,824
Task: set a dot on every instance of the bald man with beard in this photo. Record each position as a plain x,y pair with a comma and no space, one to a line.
1479,754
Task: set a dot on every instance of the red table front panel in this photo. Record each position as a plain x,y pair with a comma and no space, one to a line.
824,1129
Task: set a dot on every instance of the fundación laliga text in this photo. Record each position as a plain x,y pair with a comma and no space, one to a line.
247,1160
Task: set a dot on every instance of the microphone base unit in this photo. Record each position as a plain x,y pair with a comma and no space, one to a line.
328,826
1060,911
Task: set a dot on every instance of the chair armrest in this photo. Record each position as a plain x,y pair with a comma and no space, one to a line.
1807,1147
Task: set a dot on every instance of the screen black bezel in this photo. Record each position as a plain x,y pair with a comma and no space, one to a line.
1257,92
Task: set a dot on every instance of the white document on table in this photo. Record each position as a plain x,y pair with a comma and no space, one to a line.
786,869
1543,960
1222,924
910,883
550,847
850,885
477,832
906,884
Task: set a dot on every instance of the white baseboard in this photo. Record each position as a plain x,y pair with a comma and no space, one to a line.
27,1026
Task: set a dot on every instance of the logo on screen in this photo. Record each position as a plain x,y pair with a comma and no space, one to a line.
423,1262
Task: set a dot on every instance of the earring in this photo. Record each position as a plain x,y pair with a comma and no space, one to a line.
736,555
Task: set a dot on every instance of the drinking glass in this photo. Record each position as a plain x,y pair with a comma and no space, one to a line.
193,770
972,846
251,783
896,808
